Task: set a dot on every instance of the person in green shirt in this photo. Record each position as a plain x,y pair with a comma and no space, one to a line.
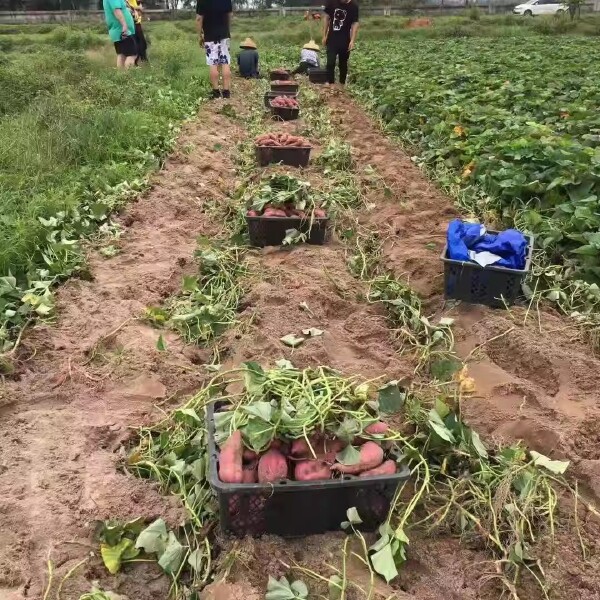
121,30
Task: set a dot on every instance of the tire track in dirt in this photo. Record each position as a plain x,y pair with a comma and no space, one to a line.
537,381
97,372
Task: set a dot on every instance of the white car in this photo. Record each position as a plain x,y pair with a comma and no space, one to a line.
540,7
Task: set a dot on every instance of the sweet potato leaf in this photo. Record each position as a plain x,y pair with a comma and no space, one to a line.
391,399
557,467
114,556
171,557
383,563
348,456
291,340
154,538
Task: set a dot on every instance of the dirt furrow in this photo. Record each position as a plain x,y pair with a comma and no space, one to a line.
96,373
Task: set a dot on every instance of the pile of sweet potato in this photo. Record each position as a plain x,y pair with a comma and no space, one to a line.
299,461
278,140
284,82
284,102
280,72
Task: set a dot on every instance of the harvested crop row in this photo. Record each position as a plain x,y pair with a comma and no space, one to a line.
319,457
277,140
285,102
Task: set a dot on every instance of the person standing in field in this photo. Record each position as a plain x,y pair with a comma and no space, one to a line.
339,35
142,47
121,30
213,20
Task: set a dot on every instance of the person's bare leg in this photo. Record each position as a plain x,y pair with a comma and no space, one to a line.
130,61
226,77
214,76
120,61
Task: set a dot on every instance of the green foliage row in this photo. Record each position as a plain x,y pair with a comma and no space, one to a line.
75,132
513,121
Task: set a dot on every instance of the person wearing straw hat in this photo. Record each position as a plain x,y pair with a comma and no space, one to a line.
309,58
247,59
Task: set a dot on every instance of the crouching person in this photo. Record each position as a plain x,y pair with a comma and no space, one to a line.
248,59
309,58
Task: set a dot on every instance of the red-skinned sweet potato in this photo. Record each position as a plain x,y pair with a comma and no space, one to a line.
230,459
329,449
377,428
324,449
282,446
311,470
272,466
250,472
249,455
387,467
371,456
301,449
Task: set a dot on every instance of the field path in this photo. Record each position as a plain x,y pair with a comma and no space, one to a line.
97,373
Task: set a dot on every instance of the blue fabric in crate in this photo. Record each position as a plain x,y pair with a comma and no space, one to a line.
470,242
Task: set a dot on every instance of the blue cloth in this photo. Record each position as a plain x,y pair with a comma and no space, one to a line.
466,238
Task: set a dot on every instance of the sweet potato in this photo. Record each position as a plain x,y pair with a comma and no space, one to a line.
249,455
252,213
377,428
311,470
274,212
230,459
330,449
250,472
388,467
319,213
284,102
272,466
283,447
281,139
301,449
371,456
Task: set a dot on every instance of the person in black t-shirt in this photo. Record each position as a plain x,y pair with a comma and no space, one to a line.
213,18
339,34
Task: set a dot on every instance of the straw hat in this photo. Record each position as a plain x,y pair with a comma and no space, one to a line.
312,45
248,43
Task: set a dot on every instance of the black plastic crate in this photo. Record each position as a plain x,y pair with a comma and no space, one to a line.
283,75
270,231
298,508
285,114
317,75
492,286
293,156
271,95
288,86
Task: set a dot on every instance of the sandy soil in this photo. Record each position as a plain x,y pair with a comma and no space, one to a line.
85,381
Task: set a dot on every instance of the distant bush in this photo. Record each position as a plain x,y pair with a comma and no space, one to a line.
474,13
555,25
